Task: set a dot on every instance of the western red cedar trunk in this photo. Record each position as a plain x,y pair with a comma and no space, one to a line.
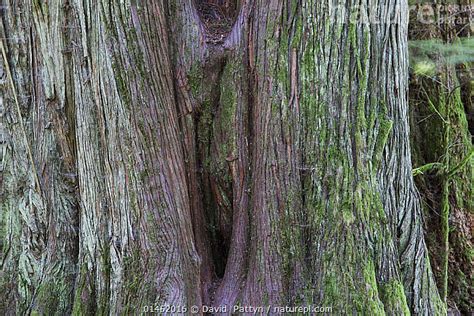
185,165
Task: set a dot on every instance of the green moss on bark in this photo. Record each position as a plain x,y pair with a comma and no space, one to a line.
394,298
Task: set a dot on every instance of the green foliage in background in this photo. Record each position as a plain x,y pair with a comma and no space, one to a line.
427,56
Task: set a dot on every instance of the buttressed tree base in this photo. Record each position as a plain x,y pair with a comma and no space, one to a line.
208,153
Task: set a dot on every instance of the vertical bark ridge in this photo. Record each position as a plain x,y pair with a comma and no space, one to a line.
48,217
375,119
400,192
235,101
144,237
191,92
275,205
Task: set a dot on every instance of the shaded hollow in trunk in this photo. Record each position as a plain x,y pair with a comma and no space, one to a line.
218,17
214,171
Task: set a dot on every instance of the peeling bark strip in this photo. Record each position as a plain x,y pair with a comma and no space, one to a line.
261,163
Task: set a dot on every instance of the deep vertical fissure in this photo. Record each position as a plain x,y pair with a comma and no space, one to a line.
216,188
213,133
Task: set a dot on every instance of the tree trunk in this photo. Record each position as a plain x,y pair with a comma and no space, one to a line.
441,119
246,153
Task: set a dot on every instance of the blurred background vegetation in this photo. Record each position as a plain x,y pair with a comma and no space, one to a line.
441,95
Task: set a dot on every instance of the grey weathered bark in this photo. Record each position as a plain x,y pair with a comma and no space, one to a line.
136,234
267,166
38,204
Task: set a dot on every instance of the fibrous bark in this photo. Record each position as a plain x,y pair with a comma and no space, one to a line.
265,164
